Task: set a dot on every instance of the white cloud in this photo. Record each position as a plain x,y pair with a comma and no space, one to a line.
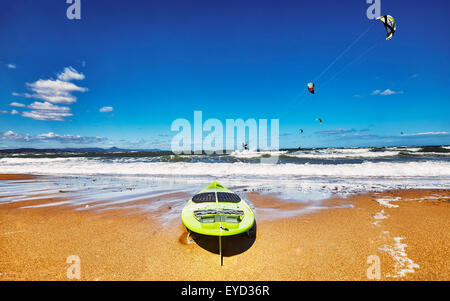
9,135
65,98
386,92
47,111
106,109
17,104
69,74
48,135
336,132
12,136
48,106
12,112
390,92
427,134
46,115
376,92
53,93
11,66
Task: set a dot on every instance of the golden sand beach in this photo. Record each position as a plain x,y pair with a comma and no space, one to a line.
407,230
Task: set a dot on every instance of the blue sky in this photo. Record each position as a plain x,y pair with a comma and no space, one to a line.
151,62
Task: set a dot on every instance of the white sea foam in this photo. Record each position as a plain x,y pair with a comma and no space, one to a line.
380,215
387,202
336,153
427,198
293,181
425,154
413,149
89,166
255,154
87,180
403,264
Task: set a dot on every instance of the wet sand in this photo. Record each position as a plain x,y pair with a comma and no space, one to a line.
15,177
332,244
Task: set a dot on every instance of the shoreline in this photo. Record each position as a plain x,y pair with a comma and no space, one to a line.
409,235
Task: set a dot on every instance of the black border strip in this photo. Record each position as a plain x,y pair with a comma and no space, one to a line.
275,289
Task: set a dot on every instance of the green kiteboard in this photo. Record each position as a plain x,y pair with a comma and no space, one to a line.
217,211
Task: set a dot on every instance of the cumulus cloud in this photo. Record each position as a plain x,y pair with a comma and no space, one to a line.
46,115
47,111
106,109
69,74
46,106
376,92
9,135
12,136
53,92
17,104
386,92
12,112
390,92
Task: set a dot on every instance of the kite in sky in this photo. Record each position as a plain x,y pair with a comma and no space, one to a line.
389,24
311,87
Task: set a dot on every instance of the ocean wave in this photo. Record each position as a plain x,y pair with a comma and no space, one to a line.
301,156
256,154
342,154
92,166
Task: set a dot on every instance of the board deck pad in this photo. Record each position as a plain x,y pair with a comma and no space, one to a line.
217,211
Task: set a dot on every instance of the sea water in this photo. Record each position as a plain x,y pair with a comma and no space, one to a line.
308,176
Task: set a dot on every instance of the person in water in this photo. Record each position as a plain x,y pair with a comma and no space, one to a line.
245,146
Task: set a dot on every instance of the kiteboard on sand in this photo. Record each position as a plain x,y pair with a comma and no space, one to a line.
217,211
